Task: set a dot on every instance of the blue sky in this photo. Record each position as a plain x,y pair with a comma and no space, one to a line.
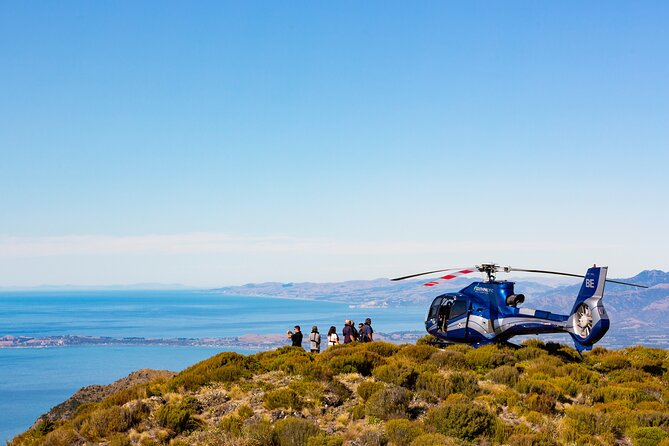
213,143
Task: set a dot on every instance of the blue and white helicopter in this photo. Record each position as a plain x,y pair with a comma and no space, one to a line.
488,311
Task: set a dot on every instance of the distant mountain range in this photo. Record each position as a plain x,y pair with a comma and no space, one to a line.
131,287
638,315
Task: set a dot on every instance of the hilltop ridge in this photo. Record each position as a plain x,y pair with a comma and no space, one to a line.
385,394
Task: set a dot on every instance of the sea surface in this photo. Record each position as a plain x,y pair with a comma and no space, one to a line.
33,380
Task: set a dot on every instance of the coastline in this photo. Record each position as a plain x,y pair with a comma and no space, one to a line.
247,341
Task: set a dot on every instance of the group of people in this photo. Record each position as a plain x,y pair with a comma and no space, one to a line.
364,333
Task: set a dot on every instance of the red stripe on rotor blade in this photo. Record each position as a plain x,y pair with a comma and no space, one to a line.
449,277
466,271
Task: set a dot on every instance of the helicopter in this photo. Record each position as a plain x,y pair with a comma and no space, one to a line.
488,311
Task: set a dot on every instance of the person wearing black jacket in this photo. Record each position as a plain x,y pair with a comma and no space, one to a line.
295,337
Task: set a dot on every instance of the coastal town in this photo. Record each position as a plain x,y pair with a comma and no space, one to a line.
246,342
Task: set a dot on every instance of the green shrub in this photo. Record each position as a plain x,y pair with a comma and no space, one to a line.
417,353
435,384
533,342
541,403
384,349
607,394
325,440
119,440
538,439
461,419
284,398
232,425
63,437
580,374
368,388
448,359
527,353
567,387
650,360
337,393
652,418
371,437
488,357
427,339
586,420
362,362
244,411
44,427
608,362
648,436
398,374
104,422
622,376
357,412
441,386
433,440
224,367
294,431
505,374
402,432
309,393
546,365
259,432
179,418
536,384
294,361
388,403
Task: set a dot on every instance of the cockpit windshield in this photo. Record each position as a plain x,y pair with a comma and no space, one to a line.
445,310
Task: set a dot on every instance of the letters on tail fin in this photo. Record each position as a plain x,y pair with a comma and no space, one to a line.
588,321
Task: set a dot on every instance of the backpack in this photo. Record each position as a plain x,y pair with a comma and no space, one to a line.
363,334
354,333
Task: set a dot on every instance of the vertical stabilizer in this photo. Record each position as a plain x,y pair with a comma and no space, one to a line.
588,321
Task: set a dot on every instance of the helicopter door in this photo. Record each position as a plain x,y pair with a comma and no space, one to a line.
448,310
459,320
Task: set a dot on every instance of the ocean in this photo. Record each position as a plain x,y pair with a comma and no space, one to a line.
32,380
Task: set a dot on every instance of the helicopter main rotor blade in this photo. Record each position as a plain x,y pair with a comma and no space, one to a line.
507,269
429,272
540,271
626,283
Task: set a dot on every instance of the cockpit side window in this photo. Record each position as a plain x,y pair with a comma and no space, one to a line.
434,309
459,308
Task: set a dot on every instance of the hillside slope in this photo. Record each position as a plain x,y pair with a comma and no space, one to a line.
380,393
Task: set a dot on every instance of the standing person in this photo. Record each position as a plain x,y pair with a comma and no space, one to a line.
315,340
347,331
367,332
333,337
295,337
354,332
360,329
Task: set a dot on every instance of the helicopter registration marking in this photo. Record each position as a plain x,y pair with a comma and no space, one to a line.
480,289
589,283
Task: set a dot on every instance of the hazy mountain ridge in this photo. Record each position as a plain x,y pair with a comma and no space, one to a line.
388,293
383,292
